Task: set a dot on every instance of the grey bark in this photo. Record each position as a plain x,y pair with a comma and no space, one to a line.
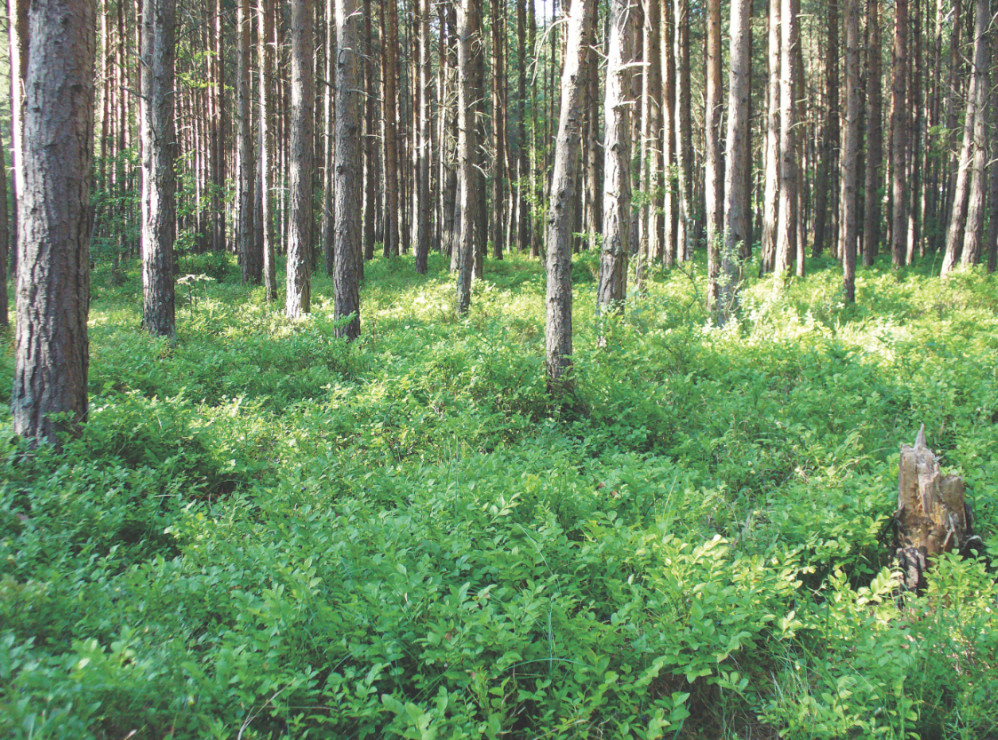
265,62
899,137
468,35
874,139
53,282
159,156
850,179
349,172
564,192
786,232
973,238
248,260
329,113
422,215
771,194
714,188
616,226
299,278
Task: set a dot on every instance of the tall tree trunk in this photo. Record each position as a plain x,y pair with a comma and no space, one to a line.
389,73
737,214
469,17
828,163
786,242
217,134
299,278
159,159
667,55
651,126
423,152
349,170
874,138
850,178
4,239
18,38
329,113
53,285
973,238
564,189
684,131
770,208
265,43
523,157
616,225
245,199
991,244
371,179
714,187
498,29
899,136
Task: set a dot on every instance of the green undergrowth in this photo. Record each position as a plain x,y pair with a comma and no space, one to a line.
264,531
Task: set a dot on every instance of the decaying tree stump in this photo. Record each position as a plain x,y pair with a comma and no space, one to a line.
932,516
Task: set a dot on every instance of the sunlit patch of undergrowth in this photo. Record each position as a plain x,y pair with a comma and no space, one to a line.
264,529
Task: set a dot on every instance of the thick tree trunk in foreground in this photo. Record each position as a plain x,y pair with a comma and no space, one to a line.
349,171
564,191
932,515
159,159
617,159
850,177
468,34
299,279
53,286
737,214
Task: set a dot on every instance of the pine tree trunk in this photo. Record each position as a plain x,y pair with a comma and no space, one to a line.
973,240
828,163
497,206
53,286
874,138
850,178
265,41
564,190
770,208
786,242
468,35
299,278
668,108
389,63
651,125
349,171
684,132
159,158
17,28
737,215
714,187
329,112
423,154
616,225
899,137
523,223
247,171
370,137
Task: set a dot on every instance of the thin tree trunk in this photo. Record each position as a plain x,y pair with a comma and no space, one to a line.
714,187
874,139
737,214
17,28
498,29
329,112
299,278
651,125
973,239
159,206
828,164
899,136
564,189
247,171
684,131
786,242
49,397
850,179
668,108
616,225
370,137
423,152
265,43
770,208
468,35
389,54
349,171
523,159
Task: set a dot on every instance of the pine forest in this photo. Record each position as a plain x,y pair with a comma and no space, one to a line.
499,368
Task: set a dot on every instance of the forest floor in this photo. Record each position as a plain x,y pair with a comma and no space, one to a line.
264,531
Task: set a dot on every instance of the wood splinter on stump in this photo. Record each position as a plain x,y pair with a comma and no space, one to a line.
932,516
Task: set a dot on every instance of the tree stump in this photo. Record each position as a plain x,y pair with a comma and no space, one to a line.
932,516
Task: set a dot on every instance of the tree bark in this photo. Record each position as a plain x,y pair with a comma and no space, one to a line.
349,172
217,134
786,242
684,131
468,35
874,139
714,187
828,164
18,38
389,63
496,220
651,126
770,207
564,188
668,108
616,225
737,214
329,113
299,278
53,286
973,239
248,260
850,179
265,43
424,209
159,159
899,137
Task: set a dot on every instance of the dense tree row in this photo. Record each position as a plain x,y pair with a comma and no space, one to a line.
325,128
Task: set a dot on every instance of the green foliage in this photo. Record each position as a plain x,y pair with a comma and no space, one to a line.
266,531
